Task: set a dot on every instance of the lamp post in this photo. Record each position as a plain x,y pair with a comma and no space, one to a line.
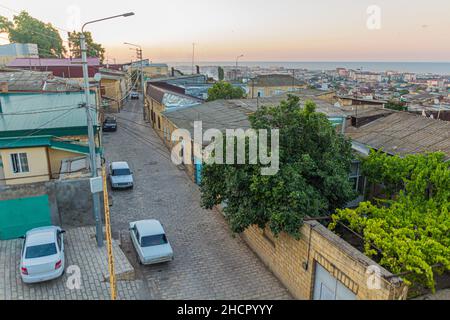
236,70
92,152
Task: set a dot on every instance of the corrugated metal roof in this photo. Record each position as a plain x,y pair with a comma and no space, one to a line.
24,80
233,114
404,133
22,114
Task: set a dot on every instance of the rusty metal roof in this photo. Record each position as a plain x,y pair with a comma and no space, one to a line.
404,133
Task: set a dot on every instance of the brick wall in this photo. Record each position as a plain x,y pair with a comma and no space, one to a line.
293,262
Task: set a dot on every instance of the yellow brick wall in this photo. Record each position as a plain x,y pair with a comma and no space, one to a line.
286,257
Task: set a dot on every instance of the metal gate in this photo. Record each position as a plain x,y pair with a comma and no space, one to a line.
17,216
327,287
198,171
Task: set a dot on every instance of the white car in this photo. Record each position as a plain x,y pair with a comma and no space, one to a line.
150,242
120,175
42,255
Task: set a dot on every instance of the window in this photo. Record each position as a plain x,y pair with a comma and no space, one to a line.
150,241
121,172
358,181
58,238
43,250
19,162
137,235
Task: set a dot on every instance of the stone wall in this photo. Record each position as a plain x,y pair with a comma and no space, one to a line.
293,262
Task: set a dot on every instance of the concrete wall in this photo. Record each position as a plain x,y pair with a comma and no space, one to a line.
70,201
293,262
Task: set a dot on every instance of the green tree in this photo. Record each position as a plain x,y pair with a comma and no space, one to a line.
224,90
93,49
26,29
411,231
313,177
398,106
221,73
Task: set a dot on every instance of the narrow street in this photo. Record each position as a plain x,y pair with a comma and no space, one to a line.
210,263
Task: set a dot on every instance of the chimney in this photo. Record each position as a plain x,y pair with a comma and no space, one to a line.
198,69
4,87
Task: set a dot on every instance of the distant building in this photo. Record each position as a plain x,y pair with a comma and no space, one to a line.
361,76
273,84
12,51
160,97
114,87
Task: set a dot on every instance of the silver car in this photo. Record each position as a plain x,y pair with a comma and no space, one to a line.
42,255
120,176
150,242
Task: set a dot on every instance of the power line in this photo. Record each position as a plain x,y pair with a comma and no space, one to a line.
60,108
40,128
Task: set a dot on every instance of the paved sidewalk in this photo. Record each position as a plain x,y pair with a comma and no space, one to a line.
82,252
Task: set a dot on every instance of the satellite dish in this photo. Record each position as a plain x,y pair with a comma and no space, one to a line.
98,77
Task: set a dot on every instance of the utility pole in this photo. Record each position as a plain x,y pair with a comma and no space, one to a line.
140,58
193,56
92,152
90,125
139,55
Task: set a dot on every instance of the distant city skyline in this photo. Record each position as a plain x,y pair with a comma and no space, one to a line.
283,30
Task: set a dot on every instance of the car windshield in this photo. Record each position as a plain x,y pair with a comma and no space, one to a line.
110,120
150,241
39,251
121,172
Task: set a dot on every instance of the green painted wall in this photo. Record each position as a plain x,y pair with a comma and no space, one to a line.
17,216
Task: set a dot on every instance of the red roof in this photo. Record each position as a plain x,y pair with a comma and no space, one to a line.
51,62
64,68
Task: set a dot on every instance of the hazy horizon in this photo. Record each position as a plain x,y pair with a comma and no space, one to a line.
281,31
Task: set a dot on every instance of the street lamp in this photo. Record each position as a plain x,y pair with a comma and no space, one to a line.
236,70
92,152
142,66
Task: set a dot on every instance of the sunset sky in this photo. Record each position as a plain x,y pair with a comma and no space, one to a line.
282,30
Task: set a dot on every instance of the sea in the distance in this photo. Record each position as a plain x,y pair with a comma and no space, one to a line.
440,68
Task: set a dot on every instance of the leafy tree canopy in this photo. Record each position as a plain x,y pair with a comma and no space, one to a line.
26,29
224,90
221,73
312,180
413,230
93,49
396,106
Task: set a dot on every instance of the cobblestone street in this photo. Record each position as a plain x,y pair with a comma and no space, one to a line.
210,263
